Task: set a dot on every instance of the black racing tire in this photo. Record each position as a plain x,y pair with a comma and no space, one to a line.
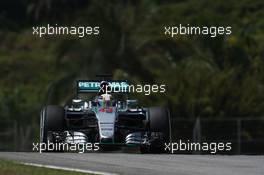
51,119
159,121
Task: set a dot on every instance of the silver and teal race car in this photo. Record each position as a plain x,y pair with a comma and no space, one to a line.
110,119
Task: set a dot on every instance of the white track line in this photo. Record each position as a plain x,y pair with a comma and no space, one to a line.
68,169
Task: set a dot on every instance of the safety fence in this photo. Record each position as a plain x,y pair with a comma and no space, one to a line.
245,134
14,137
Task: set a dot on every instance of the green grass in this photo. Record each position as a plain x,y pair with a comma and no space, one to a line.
12,168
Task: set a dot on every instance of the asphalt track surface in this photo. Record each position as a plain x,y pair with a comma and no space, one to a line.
125,163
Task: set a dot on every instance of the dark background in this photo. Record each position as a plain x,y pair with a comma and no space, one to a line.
218,80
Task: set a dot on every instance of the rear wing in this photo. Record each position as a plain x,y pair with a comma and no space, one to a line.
93,86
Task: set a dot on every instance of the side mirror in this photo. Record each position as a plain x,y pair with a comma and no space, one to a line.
132,103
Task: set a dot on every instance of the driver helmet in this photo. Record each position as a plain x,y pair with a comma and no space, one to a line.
104,100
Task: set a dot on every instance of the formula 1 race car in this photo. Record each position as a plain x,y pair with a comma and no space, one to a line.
107,118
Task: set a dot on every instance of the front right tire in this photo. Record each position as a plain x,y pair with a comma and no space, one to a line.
159,122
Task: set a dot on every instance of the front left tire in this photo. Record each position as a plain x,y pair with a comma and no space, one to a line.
51,119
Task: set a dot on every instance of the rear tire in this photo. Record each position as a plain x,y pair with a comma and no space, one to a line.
159,122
